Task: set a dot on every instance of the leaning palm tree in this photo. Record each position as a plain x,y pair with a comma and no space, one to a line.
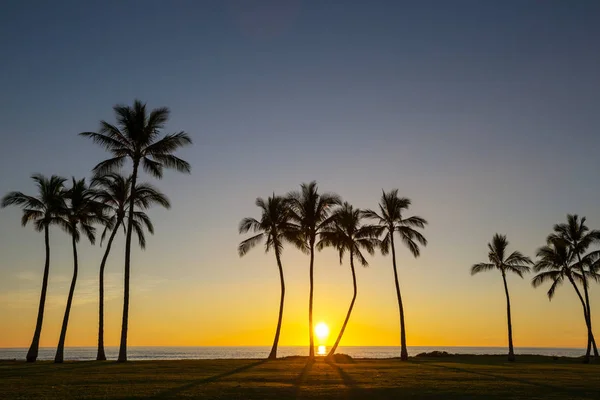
390,219
271,228
309,211
579,238
345,233
41,211
557,262
112,191
137,137
500,260
80,214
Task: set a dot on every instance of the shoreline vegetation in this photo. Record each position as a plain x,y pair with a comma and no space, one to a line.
306,219
426,377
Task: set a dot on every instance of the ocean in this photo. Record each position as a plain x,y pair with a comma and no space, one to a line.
246,352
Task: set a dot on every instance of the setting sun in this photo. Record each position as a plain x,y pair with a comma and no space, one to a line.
322,330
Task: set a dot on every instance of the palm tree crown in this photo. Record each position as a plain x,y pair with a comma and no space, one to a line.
82,212
309,211
272,227
345,233
136,136
113,190
390,219
44,209
515,262
556,262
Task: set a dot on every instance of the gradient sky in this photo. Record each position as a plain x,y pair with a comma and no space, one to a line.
484,113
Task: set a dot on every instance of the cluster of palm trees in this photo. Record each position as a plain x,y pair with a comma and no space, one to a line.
111,200
566,256
311,220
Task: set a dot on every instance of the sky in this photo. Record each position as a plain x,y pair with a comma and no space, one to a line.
484,114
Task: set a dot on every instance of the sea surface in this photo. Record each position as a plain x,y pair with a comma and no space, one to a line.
206,352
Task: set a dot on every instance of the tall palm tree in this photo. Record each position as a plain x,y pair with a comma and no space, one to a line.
271,228
112,190
137,137
390,219
41,211
309,211
579,238
80,214
557,262
500,260
346,233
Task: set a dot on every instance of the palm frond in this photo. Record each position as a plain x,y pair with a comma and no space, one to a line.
249,243
481,267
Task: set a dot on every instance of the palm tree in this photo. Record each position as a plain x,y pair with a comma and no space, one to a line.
391,220
556,261
579,238
346,233
271,228
41,211
112,190
309,211
137,137
515,262
79,215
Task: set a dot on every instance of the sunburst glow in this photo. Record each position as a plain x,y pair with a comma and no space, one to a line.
322,330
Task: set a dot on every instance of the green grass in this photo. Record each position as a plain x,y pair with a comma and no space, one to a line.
459,377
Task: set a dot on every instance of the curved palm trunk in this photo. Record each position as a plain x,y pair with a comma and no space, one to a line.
588,318
101,356
337,341
403,350
511,351
35,343
273,353
311,350
589,331
63,332
124,324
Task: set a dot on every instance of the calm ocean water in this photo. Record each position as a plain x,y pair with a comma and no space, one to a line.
186,353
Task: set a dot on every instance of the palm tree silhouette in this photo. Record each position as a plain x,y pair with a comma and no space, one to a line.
137,137
389,221
499,260
81,212
309,211
41,211
579,238
112,190
271,228
556,262
346,233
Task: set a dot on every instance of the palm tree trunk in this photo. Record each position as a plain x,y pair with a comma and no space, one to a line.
311,350
403,350
124,324
589,312
63,332
101,356
273,354
35,343
511,351
339,338
585,315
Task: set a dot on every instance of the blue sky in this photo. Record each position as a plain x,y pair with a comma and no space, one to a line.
485,114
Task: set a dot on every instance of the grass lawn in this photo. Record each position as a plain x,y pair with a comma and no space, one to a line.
458,377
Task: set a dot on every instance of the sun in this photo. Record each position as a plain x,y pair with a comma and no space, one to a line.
322,330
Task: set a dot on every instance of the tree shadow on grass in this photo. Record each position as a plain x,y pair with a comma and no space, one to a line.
175,391
549,388
353,390
301,378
